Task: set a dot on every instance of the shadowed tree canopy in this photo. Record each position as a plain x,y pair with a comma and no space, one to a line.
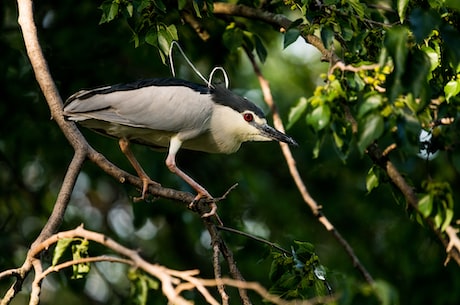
362,212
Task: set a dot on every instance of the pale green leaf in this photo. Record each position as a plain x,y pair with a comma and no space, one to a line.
452,88
449,215
61,246
372,180
296,112
425,205
402,7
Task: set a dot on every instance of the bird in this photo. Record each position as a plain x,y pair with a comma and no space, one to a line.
169,114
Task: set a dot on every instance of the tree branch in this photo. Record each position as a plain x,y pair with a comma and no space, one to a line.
173,282
277,20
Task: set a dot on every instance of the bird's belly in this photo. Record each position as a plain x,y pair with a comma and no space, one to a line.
159,139
144,136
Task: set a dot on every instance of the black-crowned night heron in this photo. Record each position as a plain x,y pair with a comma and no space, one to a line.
170,113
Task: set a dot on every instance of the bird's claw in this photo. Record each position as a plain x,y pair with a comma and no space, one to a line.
146,181
211,202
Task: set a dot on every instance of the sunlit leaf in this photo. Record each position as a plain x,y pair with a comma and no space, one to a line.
372,180
425,205
357,7
402,6
452,88
449,215
79,251
61,246
296,112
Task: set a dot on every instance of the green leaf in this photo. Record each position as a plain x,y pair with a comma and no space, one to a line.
371,129
61,246
371,103
425,205
109,11
386,293
140,286
160,5
423,22
396,40
152,37
80,251
320,117
357,7
260,49
372,180
449,215
416,76
396,44
454,4
196,8
402,6
290,37
327,36
452,88
181,4
296,112
113,12
451,38
232,37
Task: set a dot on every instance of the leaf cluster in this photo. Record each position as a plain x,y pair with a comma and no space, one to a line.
300,275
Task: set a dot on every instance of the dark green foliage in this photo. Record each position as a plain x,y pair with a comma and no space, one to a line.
300,275
405,77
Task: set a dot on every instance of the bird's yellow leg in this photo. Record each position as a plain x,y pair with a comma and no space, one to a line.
146,181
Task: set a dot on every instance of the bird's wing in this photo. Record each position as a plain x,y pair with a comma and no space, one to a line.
170,107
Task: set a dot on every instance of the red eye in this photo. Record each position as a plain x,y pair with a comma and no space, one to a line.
248,117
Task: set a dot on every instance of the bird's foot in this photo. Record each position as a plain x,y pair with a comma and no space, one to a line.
146,181
211,203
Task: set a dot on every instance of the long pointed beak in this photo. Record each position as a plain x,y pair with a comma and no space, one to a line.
274,134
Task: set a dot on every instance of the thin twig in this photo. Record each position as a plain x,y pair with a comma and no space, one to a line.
218,273
256,238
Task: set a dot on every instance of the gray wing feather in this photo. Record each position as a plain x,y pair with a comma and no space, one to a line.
168,108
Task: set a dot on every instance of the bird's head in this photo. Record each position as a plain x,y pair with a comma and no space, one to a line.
235,120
